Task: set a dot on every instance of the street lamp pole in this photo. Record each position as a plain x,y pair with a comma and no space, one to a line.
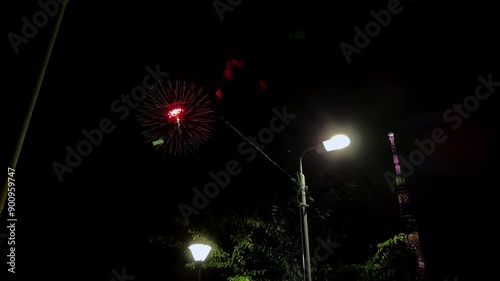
336,142
199,271
306,253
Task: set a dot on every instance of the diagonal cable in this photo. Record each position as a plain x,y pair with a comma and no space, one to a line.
256,147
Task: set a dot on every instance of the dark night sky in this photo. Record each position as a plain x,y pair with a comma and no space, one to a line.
98,218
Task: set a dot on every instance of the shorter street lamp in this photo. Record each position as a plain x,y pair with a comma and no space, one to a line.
200,253
336,142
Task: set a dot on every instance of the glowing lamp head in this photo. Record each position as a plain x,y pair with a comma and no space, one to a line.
336,142
200,251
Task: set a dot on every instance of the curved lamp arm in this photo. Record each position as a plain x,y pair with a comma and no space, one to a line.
302,155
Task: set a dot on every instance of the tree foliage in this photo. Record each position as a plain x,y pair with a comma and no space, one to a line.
265,244
255,247
392,260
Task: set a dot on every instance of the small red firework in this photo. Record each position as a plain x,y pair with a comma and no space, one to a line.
177,117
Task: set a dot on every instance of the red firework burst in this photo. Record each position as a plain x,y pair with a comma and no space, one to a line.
177,117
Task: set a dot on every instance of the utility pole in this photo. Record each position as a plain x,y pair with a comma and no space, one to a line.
20,142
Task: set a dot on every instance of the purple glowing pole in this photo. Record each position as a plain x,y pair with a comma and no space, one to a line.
405,213
401,190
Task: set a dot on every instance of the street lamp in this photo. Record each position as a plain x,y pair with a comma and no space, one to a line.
335,143
200,253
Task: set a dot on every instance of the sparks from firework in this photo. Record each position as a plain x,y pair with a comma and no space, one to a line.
179,114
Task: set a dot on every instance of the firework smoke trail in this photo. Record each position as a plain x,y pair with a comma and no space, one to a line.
177,116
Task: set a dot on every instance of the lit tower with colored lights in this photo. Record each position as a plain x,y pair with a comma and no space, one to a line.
405,213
